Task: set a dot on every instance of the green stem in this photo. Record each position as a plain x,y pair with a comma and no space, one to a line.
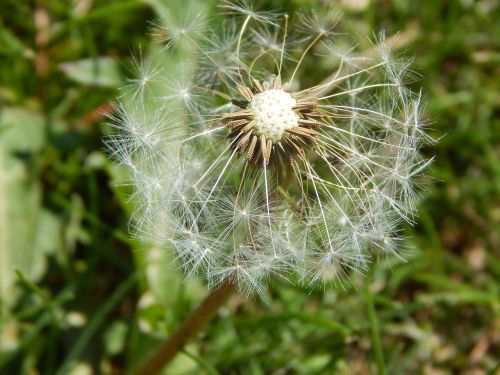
374,326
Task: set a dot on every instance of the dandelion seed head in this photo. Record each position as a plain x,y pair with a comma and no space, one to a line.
248,173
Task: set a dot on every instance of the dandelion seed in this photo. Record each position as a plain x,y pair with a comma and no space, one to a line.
248,9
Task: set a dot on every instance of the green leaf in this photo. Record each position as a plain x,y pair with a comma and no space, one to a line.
100,71
10,44
27,232
115,336
21,130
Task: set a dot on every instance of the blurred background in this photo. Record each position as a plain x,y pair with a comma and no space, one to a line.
79,296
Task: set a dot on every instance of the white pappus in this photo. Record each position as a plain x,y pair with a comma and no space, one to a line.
249,171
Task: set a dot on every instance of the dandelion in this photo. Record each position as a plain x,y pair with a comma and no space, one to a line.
249,170
265,174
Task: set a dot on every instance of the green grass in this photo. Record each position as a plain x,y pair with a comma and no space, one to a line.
78,294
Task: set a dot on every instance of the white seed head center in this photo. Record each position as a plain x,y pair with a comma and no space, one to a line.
273,114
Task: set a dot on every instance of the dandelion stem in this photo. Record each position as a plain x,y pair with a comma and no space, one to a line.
238,47
318,37
283,44
374,327
192,325
359,89
263,53
268,206
330,81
